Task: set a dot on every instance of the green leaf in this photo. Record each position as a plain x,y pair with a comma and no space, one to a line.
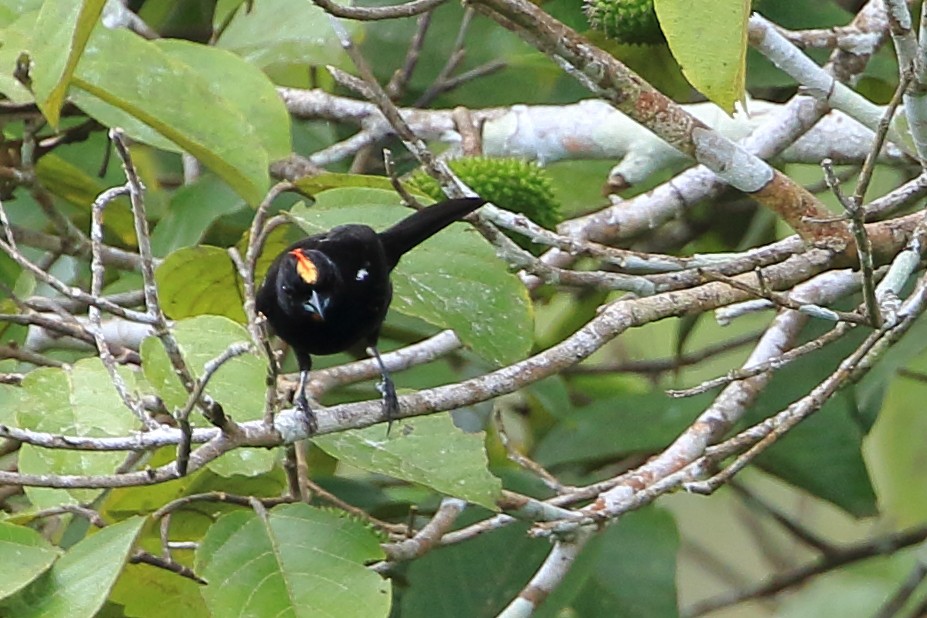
894,448
10,10
11,398
859,590
69,182
146,592
551,395
123,80
616,427
199,280
203,280
823,453
17,38
453,280
295,561
26,556
870,391
238,385
78,584
717,70
627,570
476,579
61,33
428,450
124,502
243,86
80,400
280,32
192,210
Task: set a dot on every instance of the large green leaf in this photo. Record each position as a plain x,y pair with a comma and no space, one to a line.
295,561
78,584
61,33
146,592
718,69
33,556
243,86
476,579
79,400
280,32
822,454
69,182
192,210
616,427
144,499
204,280
859,590
895,447
627,570
17,38
123,80
10,10
453,280
429,450
238,386
11,398
199,280
531,78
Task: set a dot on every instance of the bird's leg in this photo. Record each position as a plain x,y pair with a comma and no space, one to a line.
387,388
301,401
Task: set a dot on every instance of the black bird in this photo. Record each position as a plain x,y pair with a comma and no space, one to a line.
329,292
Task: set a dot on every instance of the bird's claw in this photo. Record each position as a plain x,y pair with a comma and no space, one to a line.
302,405
390,402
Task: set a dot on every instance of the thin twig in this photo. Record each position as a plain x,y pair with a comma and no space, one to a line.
394,180
785,301
453,61
183,415
771,365
877,546
863,244
216,496
525,462
302,473
408,9
131,400
662,365
260,228
427,538
399,80
881,133
211,410
292,476
74,509
27,356
894,605
794,527
400,530
144,557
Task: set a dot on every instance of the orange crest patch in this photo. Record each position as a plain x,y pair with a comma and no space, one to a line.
305,267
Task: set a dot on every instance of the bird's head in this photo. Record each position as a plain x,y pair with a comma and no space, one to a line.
305,282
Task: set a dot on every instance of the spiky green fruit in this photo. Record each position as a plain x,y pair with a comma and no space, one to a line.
626,21
514,184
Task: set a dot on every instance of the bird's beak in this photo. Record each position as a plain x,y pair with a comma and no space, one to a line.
317,305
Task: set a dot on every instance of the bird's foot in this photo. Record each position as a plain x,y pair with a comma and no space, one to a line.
390,401
302,405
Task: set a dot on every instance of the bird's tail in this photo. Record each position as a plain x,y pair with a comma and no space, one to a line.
419,226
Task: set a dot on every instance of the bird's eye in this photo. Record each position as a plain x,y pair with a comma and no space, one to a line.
361,274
